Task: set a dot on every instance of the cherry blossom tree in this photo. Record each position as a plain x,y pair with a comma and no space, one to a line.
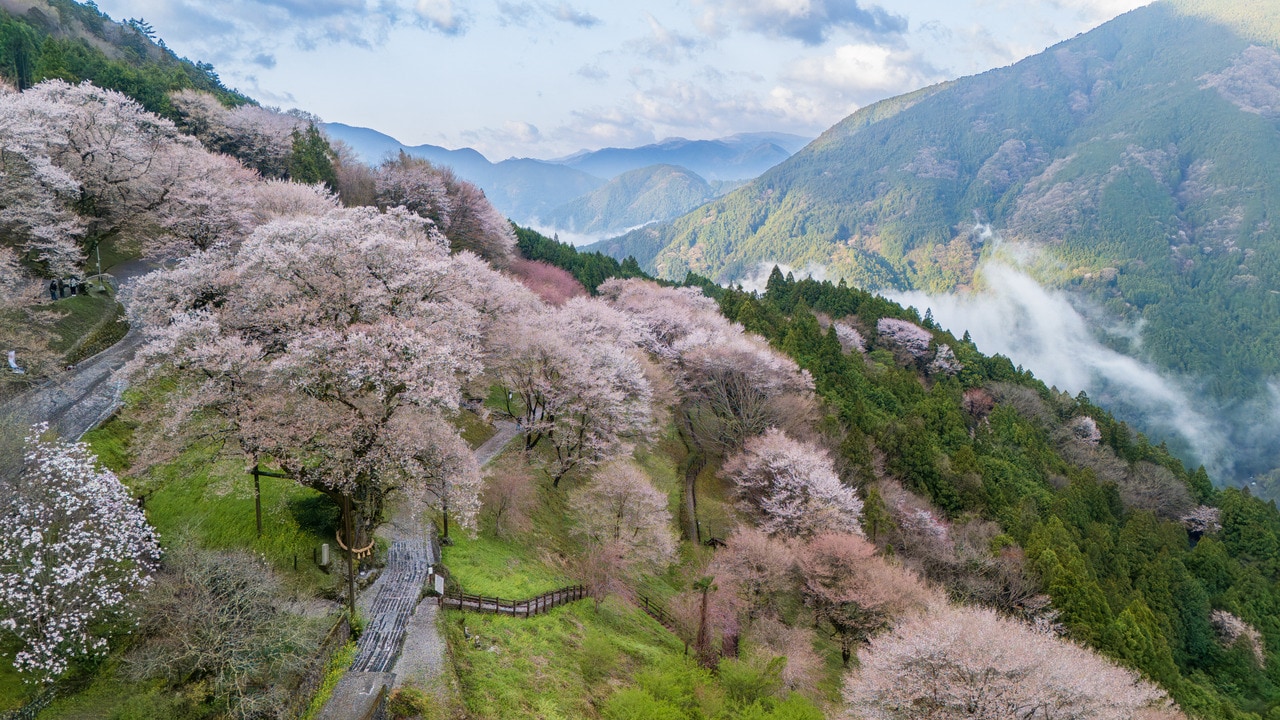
1085,429
791,487
35,208
905,336
1230,629
855,592
214,203
508,496
458,208
325,343
259,137
75,550
574,382
731,384
850,339
944,362
440,463
276,199
758,567
969,662
624,524
118,153
1202,520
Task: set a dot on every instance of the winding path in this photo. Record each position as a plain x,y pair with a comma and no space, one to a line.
401,643
77,400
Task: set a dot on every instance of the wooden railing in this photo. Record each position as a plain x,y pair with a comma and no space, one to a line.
657,612
516,608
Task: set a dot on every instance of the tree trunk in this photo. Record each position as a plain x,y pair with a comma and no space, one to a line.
693,466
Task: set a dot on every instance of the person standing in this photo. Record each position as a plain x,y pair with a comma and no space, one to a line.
62,287
53,289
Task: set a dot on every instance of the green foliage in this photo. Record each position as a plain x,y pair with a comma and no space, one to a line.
589,268
1129,584
1146,190
76,42
333,672
312,159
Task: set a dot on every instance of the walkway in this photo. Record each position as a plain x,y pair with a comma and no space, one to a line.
401,636
76,401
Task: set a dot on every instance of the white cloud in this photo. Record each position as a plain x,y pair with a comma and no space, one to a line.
809,21
863,71
440,15
1041,330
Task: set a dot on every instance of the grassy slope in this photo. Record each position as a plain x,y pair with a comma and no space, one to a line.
569,662
562,664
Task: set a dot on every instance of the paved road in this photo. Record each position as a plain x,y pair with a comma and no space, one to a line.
75,401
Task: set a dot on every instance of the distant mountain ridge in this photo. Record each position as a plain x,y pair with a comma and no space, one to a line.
539,191
633,198
1136,160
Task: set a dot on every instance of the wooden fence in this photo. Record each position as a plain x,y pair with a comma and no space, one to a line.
515,608
657,612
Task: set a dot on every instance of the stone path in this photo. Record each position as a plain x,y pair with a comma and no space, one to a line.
76,401
402,641
401,589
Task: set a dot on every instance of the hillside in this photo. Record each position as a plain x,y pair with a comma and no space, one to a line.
1135,161
62,39
636,197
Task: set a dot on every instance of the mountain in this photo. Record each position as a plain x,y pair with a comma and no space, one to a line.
636,197
521,188
541,191
60,39
1131,166
737,157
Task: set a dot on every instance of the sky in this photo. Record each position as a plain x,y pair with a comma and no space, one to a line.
546,78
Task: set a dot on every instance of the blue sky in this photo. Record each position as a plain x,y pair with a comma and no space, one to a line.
544,78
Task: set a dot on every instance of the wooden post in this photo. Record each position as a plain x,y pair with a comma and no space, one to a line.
257,498
351,572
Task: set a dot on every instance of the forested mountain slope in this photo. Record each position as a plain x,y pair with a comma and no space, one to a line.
1137,159
636,197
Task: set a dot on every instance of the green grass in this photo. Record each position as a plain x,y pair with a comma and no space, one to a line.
210,499
81,315
474,430
487,565
333,672
13,691
114,251
561,665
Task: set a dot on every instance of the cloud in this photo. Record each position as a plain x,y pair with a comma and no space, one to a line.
809,21
864,72
1043,331
569,14
593,72
250,32
525,14
440,15
665,45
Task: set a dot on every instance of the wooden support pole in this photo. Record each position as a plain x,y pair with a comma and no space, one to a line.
257,498
351,571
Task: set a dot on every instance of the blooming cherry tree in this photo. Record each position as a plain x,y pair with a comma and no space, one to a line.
574,382
74,551
970,662
326,343
791,487
907,336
